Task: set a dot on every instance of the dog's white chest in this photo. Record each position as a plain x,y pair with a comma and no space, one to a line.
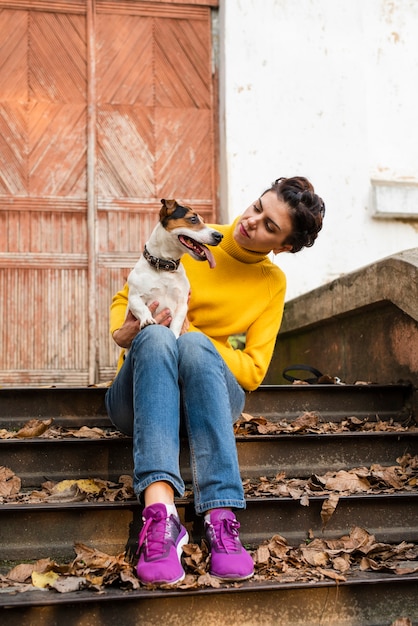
169,289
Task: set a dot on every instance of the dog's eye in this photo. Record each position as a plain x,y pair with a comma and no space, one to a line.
194,219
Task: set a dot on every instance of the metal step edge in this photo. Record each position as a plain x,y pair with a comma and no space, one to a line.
70,405
49,441
183,502
44,598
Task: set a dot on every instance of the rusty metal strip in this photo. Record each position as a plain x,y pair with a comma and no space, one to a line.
185,10
68,6
91,195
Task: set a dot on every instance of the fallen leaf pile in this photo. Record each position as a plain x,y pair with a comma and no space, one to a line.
275,560
91,569
47,430
311,422
375,479
333,558
308,422
76,490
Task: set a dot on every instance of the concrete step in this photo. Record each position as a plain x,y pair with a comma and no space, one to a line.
30,531
33,531
85,406
298,455
363,600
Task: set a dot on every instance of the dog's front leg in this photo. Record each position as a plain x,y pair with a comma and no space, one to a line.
140,310
178,319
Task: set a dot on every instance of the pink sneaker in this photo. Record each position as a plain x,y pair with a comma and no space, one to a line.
161,542
229,560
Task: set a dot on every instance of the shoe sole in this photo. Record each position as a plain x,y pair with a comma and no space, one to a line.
231,579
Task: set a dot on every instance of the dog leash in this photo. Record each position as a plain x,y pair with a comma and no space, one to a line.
319,377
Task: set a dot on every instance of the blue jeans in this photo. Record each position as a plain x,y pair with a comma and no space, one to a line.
163,380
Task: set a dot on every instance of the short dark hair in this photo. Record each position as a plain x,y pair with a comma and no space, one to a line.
306,210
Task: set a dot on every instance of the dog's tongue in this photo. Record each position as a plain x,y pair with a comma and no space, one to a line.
209,257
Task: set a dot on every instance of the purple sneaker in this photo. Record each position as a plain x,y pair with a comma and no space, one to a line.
229,560
161,542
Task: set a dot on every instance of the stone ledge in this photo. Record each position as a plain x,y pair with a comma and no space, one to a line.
393,279
362,326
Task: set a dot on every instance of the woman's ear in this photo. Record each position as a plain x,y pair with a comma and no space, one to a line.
286,248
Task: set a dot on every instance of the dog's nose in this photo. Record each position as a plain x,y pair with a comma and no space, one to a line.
217,237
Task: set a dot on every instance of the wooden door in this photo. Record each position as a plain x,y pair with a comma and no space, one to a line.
105,107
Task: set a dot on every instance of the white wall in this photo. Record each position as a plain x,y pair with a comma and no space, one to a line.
326,89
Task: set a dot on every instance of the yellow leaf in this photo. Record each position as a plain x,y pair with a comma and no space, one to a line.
85,484
43,580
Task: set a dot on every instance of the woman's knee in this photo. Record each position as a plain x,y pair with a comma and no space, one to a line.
155,336
197,355
193,346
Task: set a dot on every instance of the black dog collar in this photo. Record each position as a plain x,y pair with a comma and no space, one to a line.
168,265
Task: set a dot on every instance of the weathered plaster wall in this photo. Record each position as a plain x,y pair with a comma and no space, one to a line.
324,88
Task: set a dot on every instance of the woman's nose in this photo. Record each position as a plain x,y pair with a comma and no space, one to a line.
252,222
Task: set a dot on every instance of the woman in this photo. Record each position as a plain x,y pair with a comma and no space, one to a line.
200,379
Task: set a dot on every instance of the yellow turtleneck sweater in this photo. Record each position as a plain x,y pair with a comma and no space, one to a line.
244,293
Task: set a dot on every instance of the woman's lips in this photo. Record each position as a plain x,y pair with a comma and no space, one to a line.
243,231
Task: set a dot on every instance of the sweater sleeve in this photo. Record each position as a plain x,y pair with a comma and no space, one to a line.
118,309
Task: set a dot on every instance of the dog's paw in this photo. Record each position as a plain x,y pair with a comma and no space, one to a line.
148,322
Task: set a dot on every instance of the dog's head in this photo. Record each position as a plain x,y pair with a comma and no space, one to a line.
190,229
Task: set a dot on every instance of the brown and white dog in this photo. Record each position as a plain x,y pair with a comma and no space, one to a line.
158,274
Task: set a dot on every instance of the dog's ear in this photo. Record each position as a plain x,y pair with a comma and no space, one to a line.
169,206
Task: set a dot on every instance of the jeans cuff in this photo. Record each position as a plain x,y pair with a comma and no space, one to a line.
140,486
220,504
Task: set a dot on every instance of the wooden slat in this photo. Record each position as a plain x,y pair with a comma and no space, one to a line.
50,306
26,203
27,260
45,232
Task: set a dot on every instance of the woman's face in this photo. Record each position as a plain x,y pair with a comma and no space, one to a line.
265,225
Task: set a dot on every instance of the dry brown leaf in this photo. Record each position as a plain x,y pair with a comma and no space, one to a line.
23,571
206,580
346,481
9,483
341,563
261,555
34,428
305,421
314,556
127,576
388,475
88,433
6,434
71,494
330,573
328,508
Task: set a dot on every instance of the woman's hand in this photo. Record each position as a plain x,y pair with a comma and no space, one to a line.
186,323
125,335
185,326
